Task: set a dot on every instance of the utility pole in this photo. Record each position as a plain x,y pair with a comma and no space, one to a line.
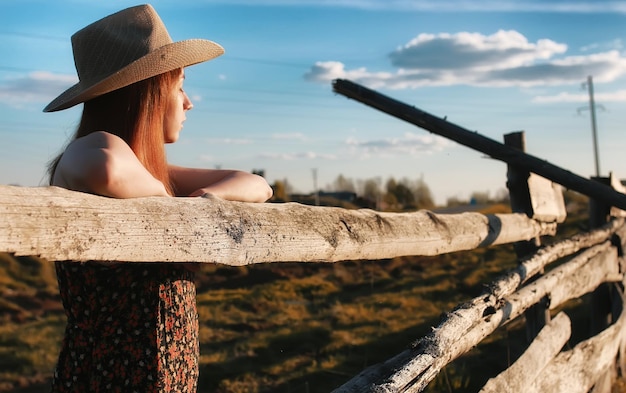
315,191
592,109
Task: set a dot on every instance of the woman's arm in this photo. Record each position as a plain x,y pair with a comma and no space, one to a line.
227,184
102,163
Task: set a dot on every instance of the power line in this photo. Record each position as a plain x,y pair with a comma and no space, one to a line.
267,62
24,69
33,36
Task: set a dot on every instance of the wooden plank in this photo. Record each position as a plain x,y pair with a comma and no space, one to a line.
533,264
479,142
468,324
585,279
547,199
529,365
577,370
617,185
604,384
472,313
58,224
521,191
603,298
416,374
530,193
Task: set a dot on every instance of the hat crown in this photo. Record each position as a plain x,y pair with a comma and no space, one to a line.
110,44
124,48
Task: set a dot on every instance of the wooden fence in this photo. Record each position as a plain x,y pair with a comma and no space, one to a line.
57,224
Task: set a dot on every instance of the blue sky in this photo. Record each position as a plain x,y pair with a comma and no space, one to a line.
490,66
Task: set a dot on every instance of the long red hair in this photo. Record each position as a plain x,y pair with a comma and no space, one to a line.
135,113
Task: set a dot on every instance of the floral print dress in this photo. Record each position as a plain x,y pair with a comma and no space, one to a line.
131,327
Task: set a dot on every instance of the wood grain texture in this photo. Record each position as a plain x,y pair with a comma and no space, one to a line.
541,351
58,224
468,324
577,370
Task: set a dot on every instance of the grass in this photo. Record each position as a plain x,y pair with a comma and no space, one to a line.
266,328
311,327
32,322
285,327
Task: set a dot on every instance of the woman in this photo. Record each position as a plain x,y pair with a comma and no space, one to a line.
134,326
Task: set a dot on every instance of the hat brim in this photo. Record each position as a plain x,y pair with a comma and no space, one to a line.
167,58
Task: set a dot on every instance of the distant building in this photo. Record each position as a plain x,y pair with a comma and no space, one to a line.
346,196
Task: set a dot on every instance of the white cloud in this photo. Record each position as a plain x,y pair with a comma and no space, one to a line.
472,51
206,158
35,87
293,136
503,59
409,144
324,71
229,141
617,96
615,44
309,155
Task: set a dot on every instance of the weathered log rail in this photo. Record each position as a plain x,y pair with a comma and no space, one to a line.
58,224
467,325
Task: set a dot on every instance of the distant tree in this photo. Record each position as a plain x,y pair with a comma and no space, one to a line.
455,201
479,197
342,183
423,196
402,193
502,196
390,202
371,189
391,184
280,192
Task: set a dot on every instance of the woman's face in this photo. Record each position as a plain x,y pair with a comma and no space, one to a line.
177,106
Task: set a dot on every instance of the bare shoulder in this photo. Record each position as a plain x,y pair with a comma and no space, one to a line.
97,144
97,140
103,164
85,158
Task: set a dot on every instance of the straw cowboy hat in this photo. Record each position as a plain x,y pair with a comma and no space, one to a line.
127,47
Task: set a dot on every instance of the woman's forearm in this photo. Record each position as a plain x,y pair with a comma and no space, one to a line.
231,185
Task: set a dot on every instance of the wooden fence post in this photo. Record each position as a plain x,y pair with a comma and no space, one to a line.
602,307
606,300
521,202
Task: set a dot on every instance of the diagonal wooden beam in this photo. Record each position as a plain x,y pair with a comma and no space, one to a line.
476,141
